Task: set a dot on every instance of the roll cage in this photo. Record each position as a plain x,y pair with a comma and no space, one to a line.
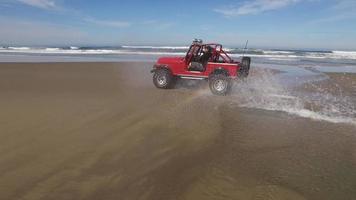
218,54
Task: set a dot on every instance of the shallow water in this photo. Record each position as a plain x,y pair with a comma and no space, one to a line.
284,92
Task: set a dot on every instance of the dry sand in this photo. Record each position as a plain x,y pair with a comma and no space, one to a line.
102,131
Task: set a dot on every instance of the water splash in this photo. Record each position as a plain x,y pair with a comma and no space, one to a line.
270,91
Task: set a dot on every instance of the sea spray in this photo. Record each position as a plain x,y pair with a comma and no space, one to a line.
268,92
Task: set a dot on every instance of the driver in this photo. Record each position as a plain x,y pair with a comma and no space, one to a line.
206,55
202,61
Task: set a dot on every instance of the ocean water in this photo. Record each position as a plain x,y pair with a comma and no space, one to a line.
273,92
151,53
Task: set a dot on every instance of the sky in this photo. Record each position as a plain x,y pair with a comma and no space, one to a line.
292,24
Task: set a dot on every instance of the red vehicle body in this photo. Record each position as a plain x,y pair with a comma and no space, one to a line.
220,69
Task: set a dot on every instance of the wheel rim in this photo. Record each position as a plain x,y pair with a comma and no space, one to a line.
219,85
162,80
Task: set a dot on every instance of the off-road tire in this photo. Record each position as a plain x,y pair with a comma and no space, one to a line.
163,79
245,67
220,84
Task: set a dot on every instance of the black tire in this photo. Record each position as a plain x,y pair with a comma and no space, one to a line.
163,79
245,67
220,84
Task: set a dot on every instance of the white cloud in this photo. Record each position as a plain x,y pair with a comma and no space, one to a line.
108,23
52,5
44,4
254,7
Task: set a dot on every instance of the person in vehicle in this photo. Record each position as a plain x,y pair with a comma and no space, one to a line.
206,55
199,64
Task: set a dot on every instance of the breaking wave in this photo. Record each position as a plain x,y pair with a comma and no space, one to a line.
18,48
157,47
181,50
88,51
345,54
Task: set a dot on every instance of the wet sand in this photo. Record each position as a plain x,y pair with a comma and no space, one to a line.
336,84
102,131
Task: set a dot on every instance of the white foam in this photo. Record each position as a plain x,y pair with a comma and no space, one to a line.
52,49
267,56
283,59
277,52
19,48
228,49
85,52
305,113
279,55
345,54
157,47
267,92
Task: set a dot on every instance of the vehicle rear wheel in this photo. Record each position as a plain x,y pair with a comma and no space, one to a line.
163,79
219,84
245,67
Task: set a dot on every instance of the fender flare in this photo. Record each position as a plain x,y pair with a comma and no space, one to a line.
157,67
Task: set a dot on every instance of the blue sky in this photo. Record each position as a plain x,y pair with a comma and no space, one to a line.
320,24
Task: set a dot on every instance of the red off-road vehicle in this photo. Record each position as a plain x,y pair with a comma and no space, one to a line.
219,69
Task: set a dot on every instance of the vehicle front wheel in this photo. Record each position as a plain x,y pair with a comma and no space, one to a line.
219,84
163,79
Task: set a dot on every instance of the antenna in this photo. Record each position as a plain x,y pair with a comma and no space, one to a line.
245,49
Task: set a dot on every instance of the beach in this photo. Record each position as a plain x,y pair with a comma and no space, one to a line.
103,131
